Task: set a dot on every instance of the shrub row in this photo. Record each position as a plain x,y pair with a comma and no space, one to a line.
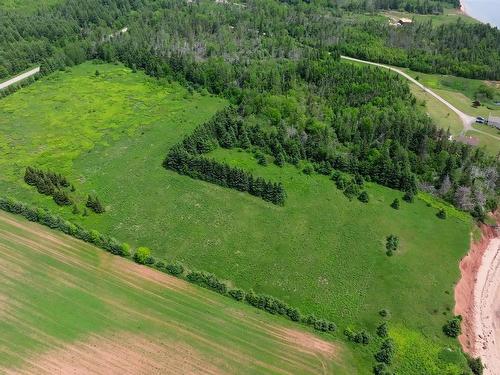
142,256
56,222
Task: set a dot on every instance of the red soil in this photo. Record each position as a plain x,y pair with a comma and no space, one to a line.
464,290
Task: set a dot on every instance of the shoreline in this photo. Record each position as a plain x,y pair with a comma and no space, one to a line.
477,299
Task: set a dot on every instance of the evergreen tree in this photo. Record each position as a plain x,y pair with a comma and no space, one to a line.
395,204
280,160
363,197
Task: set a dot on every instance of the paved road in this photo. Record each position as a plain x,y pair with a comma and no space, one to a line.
20,77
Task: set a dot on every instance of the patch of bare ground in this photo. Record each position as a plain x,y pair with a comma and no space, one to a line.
296,341
119,354
307,342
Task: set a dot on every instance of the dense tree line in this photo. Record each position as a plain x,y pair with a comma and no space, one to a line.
296,101
57,36
186,158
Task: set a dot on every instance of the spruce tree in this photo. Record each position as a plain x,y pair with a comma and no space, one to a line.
395,204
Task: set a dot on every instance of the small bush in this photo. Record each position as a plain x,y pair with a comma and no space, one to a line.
363,197
409,197
362,337
175,269
384,313
351,190
95,204
475,364
359,180
452,327
237,294
386,352
207,280
392,243
395,204
308,169
382,330
441,214
141,255
380,369
261,158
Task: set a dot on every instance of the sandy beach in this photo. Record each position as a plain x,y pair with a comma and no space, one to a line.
477,298
487,309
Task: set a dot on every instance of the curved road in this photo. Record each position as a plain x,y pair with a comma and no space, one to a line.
467,120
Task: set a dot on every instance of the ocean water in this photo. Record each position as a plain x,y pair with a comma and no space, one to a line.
487,11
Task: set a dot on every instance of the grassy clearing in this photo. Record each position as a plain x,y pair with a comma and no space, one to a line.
59,294
491,144
320,252
442,116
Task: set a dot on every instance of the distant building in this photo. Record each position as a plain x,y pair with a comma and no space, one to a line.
404,21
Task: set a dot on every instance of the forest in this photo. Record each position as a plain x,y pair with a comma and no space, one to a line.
187,32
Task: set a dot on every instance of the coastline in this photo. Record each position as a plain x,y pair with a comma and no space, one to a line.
477,299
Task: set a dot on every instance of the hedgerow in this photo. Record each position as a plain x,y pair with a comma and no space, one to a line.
43,217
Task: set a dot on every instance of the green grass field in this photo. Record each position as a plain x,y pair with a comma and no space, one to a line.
60,297
322,253
460,92
442,116
450,15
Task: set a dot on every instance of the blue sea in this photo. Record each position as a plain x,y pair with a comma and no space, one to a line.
487,11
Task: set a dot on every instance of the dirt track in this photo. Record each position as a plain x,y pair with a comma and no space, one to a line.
19,78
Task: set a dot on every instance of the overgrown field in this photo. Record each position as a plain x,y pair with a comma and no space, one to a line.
109,133
66,305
